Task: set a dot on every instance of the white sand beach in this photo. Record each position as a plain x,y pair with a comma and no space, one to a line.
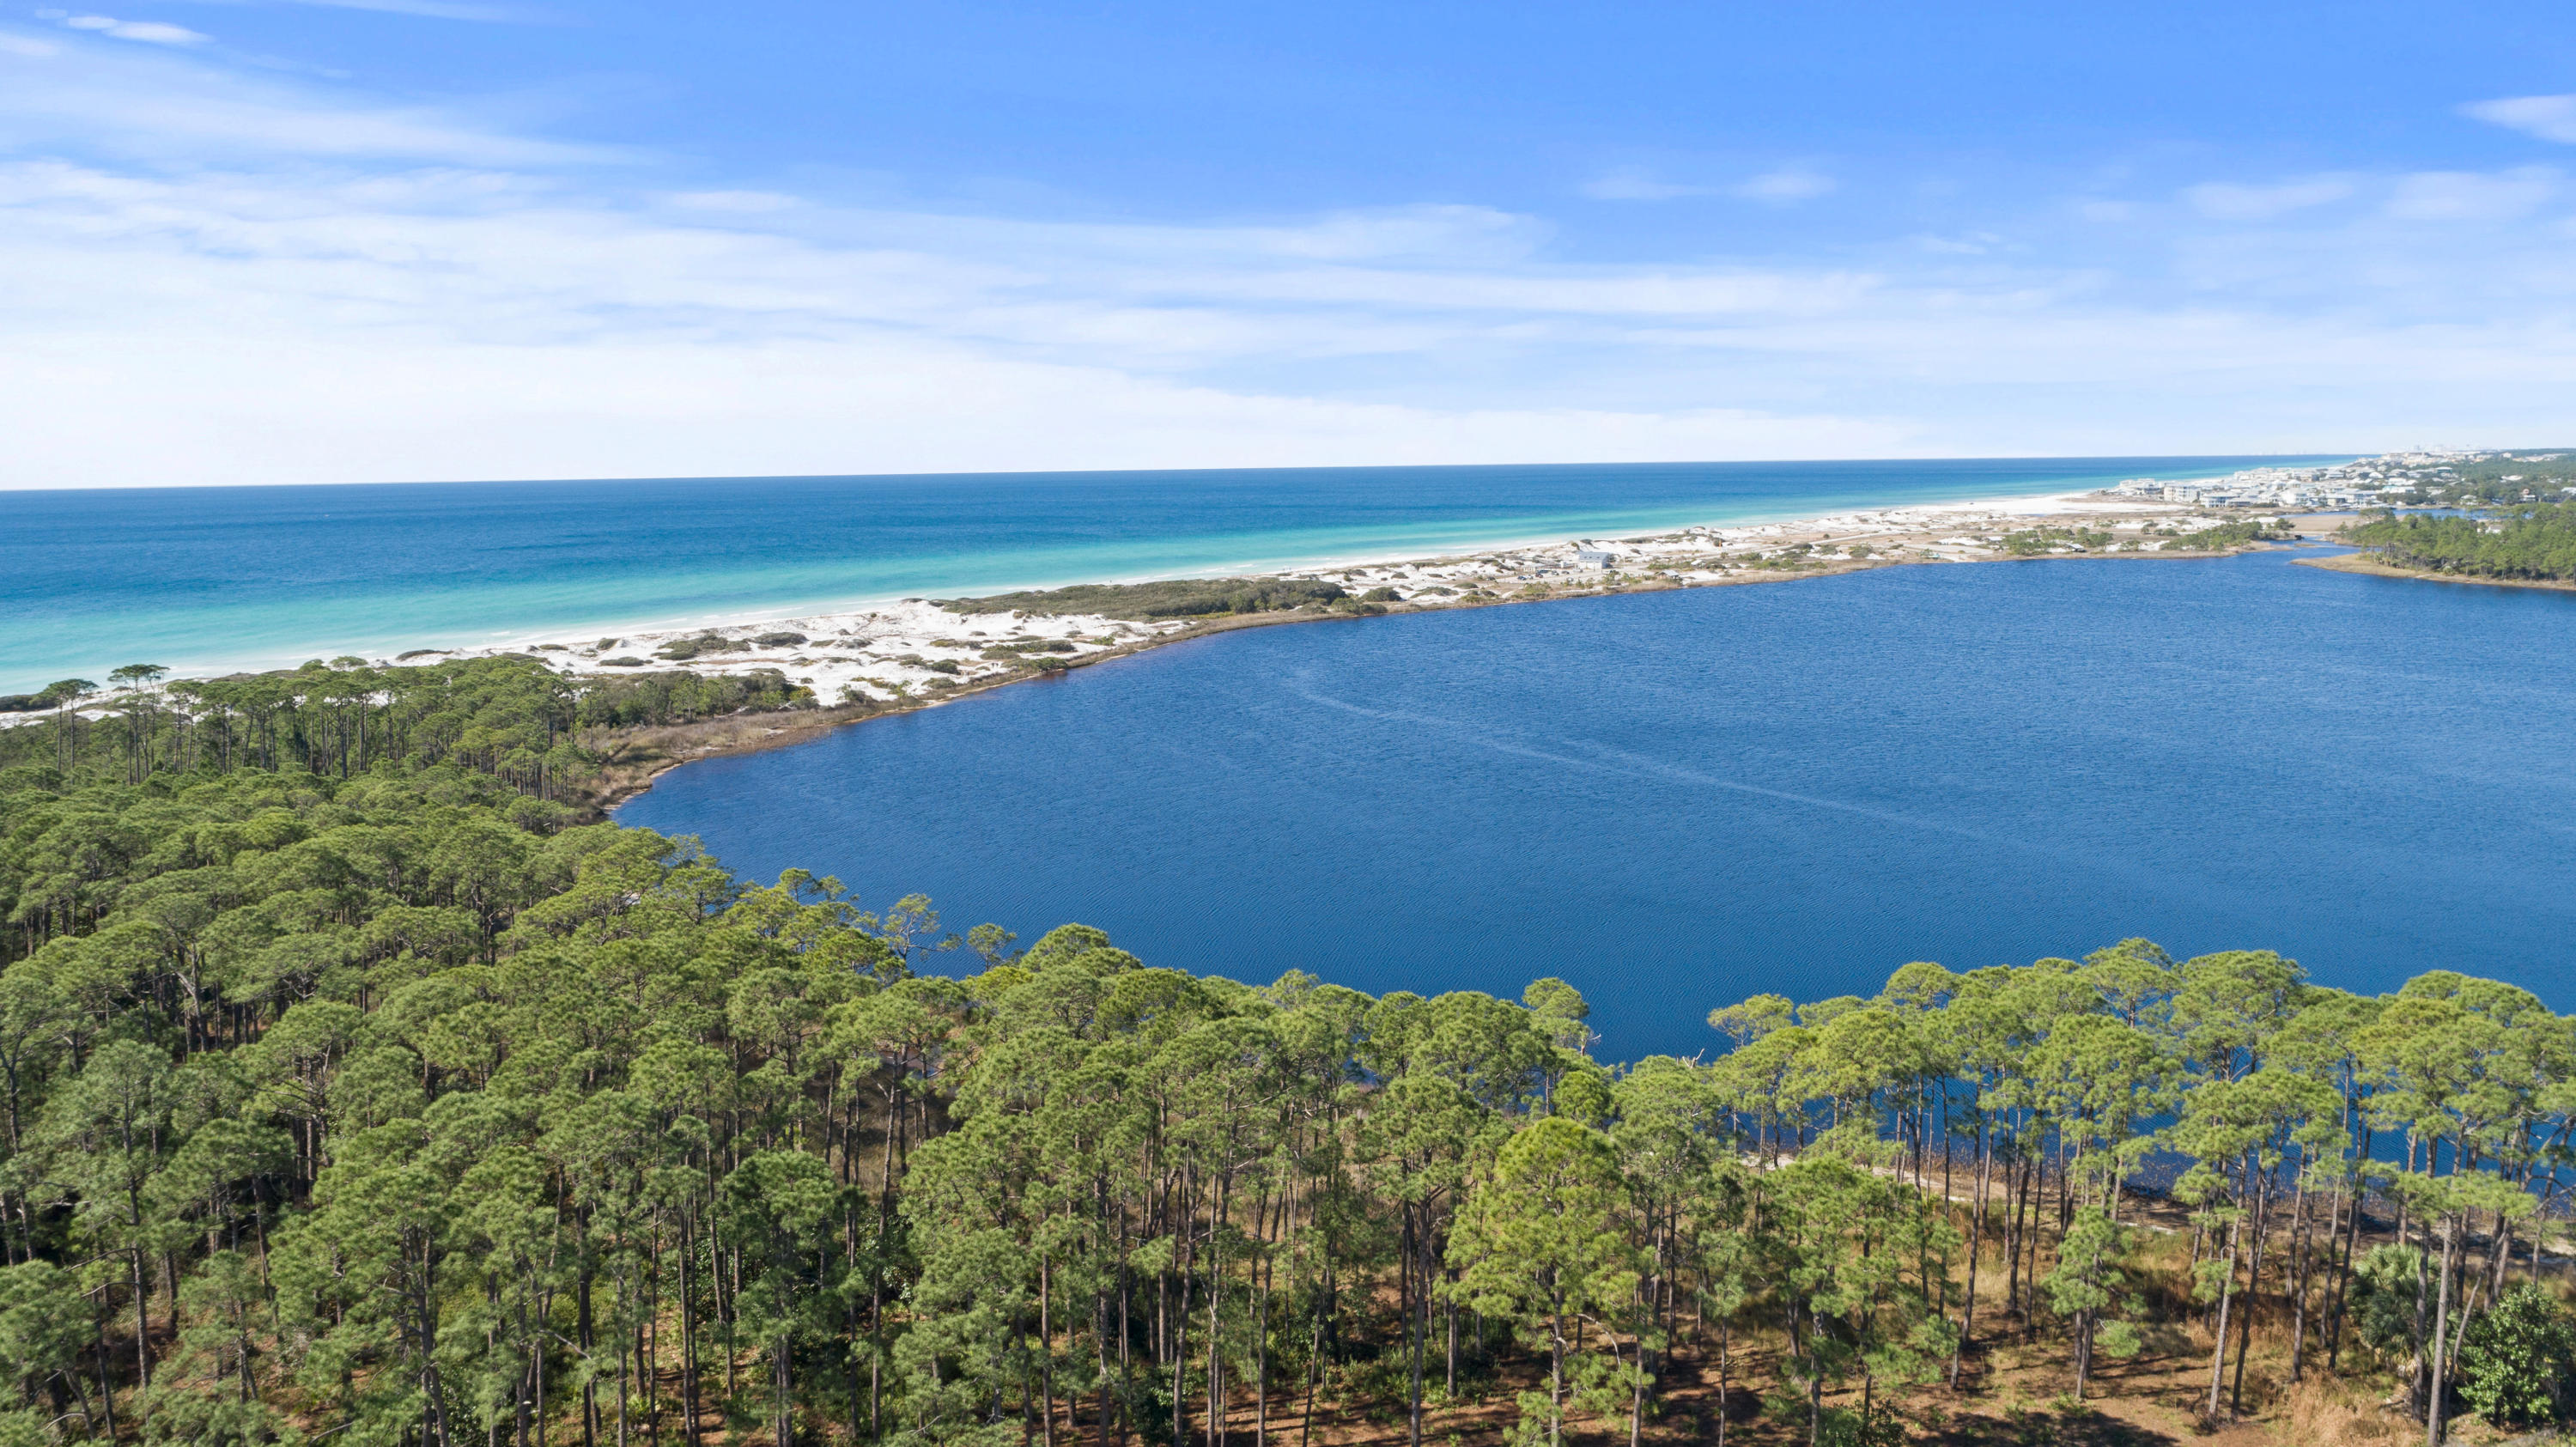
914,650
871,656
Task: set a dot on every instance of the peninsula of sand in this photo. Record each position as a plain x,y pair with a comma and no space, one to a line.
846,664
887,657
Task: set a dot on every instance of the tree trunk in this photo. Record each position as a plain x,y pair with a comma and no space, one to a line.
1976,1248
2441,1325
1725,1332
2298,1274
2253,1294
2083,1350
2218,1353
1556,1377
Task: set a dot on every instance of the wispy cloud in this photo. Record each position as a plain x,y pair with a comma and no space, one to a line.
2550,117
2228,201
295,283
2473,195
1785,185
745,203
151,32
145,105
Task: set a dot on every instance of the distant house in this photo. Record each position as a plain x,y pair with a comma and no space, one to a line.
1587,556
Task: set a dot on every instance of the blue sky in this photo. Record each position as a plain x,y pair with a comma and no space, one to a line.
381,239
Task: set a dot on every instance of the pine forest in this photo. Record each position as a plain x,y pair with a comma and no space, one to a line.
364,1087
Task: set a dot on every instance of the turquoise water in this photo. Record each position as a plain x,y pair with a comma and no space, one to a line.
209,579
1678,799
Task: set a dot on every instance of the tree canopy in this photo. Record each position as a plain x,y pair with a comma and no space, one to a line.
2535,541
352,1086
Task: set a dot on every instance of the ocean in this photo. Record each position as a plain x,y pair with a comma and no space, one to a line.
207,580
1675,800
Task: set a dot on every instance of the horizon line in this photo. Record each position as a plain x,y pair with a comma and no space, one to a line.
2106,457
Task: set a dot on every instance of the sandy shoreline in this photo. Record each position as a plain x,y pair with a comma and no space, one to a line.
914,650
2370,566
863,661
900,645
1286,565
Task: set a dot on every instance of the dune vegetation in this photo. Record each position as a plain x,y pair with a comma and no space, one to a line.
1173,598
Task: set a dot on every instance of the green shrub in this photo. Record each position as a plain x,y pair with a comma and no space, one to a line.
779,640
2034,541
2383,1297
676,697
2227,535
2518,1360
1381,595
681,649
1177,598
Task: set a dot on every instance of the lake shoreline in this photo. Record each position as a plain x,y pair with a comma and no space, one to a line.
223,582
721,738
845,667
2371,567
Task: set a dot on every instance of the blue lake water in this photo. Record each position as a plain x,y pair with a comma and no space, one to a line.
208,579
1678,799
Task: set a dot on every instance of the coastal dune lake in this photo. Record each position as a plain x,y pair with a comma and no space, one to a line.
1677,799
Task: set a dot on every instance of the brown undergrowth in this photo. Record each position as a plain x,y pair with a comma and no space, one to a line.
631,758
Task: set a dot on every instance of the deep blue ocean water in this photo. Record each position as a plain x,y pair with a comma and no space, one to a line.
209,579
1678,799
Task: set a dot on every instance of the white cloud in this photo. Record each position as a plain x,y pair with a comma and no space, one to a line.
1784,186
2225,201
165,107
1975,243
747,203
207,279
2472,195
27,46
1403,231
2550,117
1781,187
151,32
310,326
